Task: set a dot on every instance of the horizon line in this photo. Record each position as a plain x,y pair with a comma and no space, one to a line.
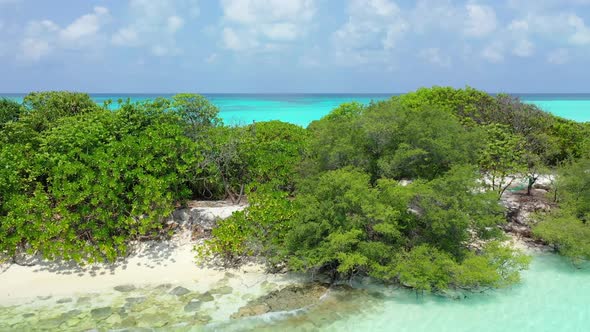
275,93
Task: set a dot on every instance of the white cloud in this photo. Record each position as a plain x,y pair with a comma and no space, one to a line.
126,36
374,29
518,26
581,33
86,25
259,25
540,5
233,41
395,33
493,52
155,22
164,50
435,56
281,31
481,20
517,33
558,57
253,12
432,15
174,23
35,49
41,38
211,58
524,48
554,27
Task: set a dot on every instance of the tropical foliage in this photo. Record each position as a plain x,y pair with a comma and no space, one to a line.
404,190
568,228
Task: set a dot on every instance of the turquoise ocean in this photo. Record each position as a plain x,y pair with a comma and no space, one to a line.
301,109
552,296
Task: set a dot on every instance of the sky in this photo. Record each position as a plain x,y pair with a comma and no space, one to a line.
295,46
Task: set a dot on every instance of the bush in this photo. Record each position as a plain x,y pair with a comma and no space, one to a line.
568,228
97,179
10,111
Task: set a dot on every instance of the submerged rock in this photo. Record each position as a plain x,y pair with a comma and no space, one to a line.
128,322
193,305
71,313
154,320
64,300
223,290
125,288
113,320
135,300
202,318
83,300
163,287
101,313
179,291
289,298
252,310
206,297
52,323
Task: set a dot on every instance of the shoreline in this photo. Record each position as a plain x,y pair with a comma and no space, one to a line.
151,264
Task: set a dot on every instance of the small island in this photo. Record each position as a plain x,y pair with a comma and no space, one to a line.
159,204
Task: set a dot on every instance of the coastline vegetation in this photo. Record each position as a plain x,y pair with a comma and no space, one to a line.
405,190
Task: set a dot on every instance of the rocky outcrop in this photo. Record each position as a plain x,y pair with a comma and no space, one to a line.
202,216
520,209
290,298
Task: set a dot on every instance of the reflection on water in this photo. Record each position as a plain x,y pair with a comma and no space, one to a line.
552,297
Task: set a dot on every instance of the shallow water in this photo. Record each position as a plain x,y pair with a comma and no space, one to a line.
553,296
301,109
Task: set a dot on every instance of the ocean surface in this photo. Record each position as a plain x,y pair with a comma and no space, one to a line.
301,109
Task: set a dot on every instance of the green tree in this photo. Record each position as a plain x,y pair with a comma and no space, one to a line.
196,111
98,180
427,143
501,159
569,235
258,230
336,140
10,111
44,108
263,152
568,227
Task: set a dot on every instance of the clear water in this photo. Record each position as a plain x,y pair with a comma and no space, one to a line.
553,296
301,109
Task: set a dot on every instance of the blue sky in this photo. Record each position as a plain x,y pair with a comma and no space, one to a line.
294,45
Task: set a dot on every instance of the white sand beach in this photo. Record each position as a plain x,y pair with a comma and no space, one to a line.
152,263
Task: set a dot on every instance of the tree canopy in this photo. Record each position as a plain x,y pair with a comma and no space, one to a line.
403,190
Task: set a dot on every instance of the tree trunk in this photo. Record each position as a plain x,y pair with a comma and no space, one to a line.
529,189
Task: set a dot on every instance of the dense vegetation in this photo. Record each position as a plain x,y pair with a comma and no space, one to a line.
80,182
406,190
568,228
403,190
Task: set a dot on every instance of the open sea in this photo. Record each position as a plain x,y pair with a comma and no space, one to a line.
301,109
552,296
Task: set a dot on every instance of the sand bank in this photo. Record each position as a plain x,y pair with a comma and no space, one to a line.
151,263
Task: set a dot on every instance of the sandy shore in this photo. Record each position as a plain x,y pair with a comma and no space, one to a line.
152,263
